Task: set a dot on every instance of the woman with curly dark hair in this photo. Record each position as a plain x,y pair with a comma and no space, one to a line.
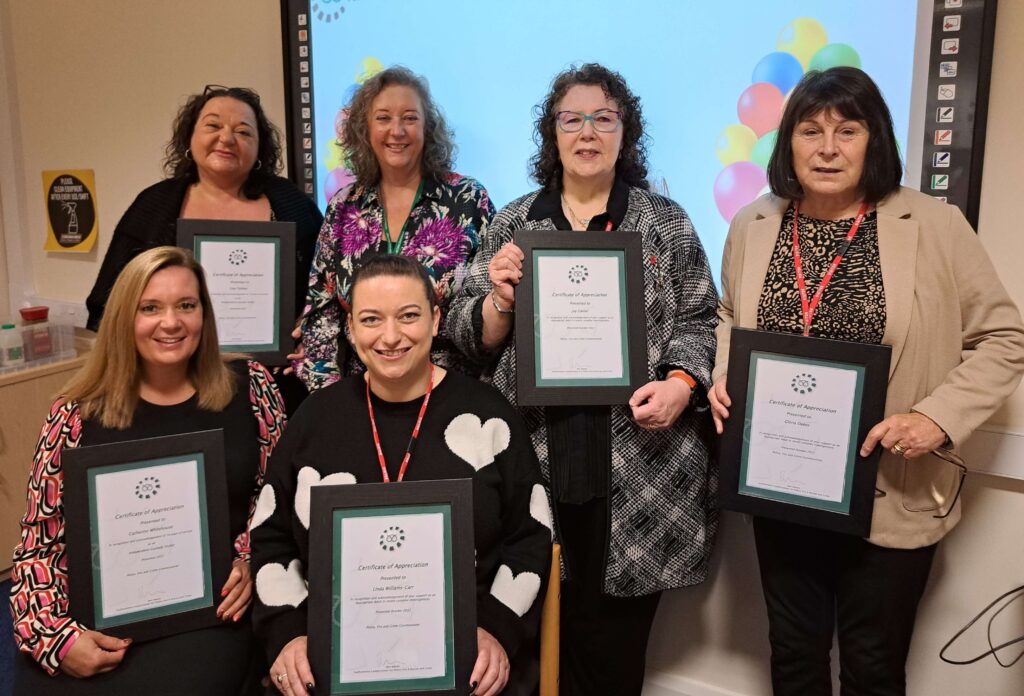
406,200
631,482
221,162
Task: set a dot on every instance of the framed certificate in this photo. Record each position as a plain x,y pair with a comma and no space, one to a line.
250,271
581,329
148,539
392,605
801,407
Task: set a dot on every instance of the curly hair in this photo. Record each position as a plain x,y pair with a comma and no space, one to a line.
438,146
631,167
178,163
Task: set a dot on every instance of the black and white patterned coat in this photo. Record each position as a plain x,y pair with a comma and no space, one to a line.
662,486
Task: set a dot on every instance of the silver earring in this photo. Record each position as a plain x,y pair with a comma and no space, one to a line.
259,165
188,154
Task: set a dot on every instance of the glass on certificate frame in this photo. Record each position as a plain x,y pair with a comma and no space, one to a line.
392,588
250,273
148,533
581,329
801,408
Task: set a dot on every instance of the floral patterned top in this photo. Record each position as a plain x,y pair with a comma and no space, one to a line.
43,627
444,231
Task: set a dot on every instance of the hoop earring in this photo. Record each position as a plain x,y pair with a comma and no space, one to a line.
188,154
259,165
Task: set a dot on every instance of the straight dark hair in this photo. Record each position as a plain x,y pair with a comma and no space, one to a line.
394,265
851,94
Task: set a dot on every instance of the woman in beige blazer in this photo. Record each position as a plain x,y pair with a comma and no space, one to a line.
913,276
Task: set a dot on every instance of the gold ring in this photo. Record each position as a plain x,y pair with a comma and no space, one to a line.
899,449
281,677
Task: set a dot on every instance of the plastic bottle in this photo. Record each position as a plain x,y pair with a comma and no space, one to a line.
10,346
36,332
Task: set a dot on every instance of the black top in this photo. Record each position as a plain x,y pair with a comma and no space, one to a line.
469,431
579,437
241,445
151,221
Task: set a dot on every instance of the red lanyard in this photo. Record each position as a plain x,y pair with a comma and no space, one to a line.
412,438
807,309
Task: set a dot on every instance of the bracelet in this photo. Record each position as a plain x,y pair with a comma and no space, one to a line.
681,375
498,308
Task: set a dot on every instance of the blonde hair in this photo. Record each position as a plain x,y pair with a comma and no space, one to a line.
107,386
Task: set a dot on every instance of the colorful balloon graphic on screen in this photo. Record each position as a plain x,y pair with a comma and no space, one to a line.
336,159
745,148
802,38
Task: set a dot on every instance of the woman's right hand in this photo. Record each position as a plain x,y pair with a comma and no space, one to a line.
291,673
720,403
299,354
94,653
505,271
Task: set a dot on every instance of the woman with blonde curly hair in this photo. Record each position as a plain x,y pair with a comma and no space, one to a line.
405,200
156,370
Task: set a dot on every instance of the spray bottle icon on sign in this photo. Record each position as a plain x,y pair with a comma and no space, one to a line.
69,208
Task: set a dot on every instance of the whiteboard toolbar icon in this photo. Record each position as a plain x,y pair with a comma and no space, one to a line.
940,159
947,92
950,47
944,114
943,137
951,23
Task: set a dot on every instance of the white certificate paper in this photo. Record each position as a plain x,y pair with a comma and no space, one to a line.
392,598
149,537
579,317
800,428
242,279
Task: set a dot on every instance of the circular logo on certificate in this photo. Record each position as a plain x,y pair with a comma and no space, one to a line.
578,273
147,488
237,257
804,383
392,538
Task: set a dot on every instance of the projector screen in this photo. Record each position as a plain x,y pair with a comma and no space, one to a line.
712,78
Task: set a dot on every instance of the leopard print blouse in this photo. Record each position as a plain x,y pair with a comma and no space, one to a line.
853,305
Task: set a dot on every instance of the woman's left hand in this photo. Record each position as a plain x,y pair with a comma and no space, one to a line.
490,673
656,405
237,592
916,432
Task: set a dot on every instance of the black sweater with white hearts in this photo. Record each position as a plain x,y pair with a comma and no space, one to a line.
469,431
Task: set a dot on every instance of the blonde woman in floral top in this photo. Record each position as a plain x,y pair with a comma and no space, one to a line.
406,200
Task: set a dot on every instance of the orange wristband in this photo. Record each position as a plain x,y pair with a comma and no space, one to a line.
681,375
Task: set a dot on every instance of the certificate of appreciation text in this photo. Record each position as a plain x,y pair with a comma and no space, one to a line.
803,418
150,540
242,275
580,317
394,598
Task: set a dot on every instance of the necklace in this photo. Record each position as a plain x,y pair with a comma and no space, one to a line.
412,438
394,247
582,222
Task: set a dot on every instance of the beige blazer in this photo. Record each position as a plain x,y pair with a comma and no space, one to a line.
956,336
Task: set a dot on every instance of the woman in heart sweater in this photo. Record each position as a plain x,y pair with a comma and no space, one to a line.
358,431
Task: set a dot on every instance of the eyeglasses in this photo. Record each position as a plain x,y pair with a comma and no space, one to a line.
604,120
230,91
952,493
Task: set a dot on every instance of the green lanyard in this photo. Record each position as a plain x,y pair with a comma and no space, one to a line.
396,246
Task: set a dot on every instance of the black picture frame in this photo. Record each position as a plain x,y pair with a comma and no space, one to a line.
870,366
453,495
531,390
81,465
191,233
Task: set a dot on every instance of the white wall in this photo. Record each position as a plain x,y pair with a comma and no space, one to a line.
95,84
712,640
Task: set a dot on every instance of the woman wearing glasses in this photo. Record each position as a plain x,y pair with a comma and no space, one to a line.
406,200
881,264
631,483
222,163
